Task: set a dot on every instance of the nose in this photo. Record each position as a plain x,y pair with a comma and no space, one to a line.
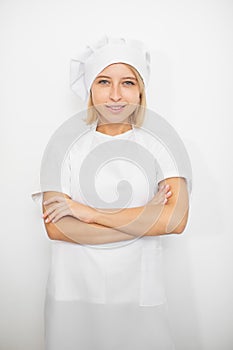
115,92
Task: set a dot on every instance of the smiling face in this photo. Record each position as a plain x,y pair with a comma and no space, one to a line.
115,93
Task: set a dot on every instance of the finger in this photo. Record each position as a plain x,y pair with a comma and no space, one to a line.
52,208
54,199
163,194
60,215
48,219
164,197
164,188
167,187
168,194
56,212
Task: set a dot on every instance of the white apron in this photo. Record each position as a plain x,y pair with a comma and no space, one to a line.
108,296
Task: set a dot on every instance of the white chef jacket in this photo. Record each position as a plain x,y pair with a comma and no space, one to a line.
120,272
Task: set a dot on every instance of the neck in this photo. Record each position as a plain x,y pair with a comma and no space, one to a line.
113,129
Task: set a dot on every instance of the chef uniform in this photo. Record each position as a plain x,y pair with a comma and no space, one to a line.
107,296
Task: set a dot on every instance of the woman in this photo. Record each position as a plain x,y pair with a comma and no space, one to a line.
105,288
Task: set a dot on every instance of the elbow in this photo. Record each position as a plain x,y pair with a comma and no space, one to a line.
51,231
177,230
180,228
55,233
168,228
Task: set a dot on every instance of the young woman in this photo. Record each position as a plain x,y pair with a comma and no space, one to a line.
105,221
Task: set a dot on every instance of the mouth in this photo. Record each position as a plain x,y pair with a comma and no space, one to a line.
115,108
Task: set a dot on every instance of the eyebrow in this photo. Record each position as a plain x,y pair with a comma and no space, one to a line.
105,76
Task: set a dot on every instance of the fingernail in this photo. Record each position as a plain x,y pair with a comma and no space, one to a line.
47,220
45,202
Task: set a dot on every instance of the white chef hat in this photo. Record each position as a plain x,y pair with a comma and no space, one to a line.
106,51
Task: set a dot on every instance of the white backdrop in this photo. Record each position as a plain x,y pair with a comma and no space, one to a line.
191,86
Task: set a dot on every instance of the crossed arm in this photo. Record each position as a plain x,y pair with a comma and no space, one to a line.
71,221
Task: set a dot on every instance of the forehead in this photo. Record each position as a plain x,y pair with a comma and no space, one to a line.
117,69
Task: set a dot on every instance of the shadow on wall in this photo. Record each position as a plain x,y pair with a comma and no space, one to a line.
181,256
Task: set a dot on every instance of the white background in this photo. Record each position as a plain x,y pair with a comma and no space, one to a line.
190,86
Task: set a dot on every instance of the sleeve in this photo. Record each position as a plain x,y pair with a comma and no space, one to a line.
170,155
53,176
55,168
36,194
172,160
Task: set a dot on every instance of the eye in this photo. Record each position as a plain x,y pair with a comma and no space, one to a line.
103,82
129,82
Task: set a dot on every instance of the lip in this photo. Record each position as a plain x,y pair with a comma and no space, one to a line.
115,108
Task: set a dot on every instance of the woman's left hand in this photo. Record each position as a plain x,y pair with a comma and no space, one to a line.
60,206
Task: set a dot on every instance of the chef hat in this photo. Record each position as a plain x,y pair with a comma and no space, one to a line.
106,51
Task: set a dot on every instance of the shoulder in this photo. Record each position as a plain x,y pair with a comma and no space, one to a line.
81,143
149,140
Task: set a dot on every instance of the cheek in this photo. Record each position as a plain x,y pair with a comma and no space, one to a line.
98,96
133,96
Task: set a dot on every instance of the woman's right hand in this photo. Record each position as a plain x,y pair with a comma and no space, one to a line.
162,196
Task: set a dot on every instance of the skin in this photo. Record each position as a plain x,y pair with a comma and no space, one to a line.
71,229
75,222
115,85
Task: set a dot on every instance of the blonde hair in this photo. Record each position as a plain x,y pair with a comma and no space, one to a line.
136,118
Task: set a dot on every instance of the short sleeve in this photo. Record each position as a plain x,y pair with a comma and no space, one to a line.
168,149
166,165
45,182
173,162
36,194
55,167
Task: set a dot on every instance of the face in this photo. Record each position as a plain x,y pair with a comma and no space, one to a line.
115,93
